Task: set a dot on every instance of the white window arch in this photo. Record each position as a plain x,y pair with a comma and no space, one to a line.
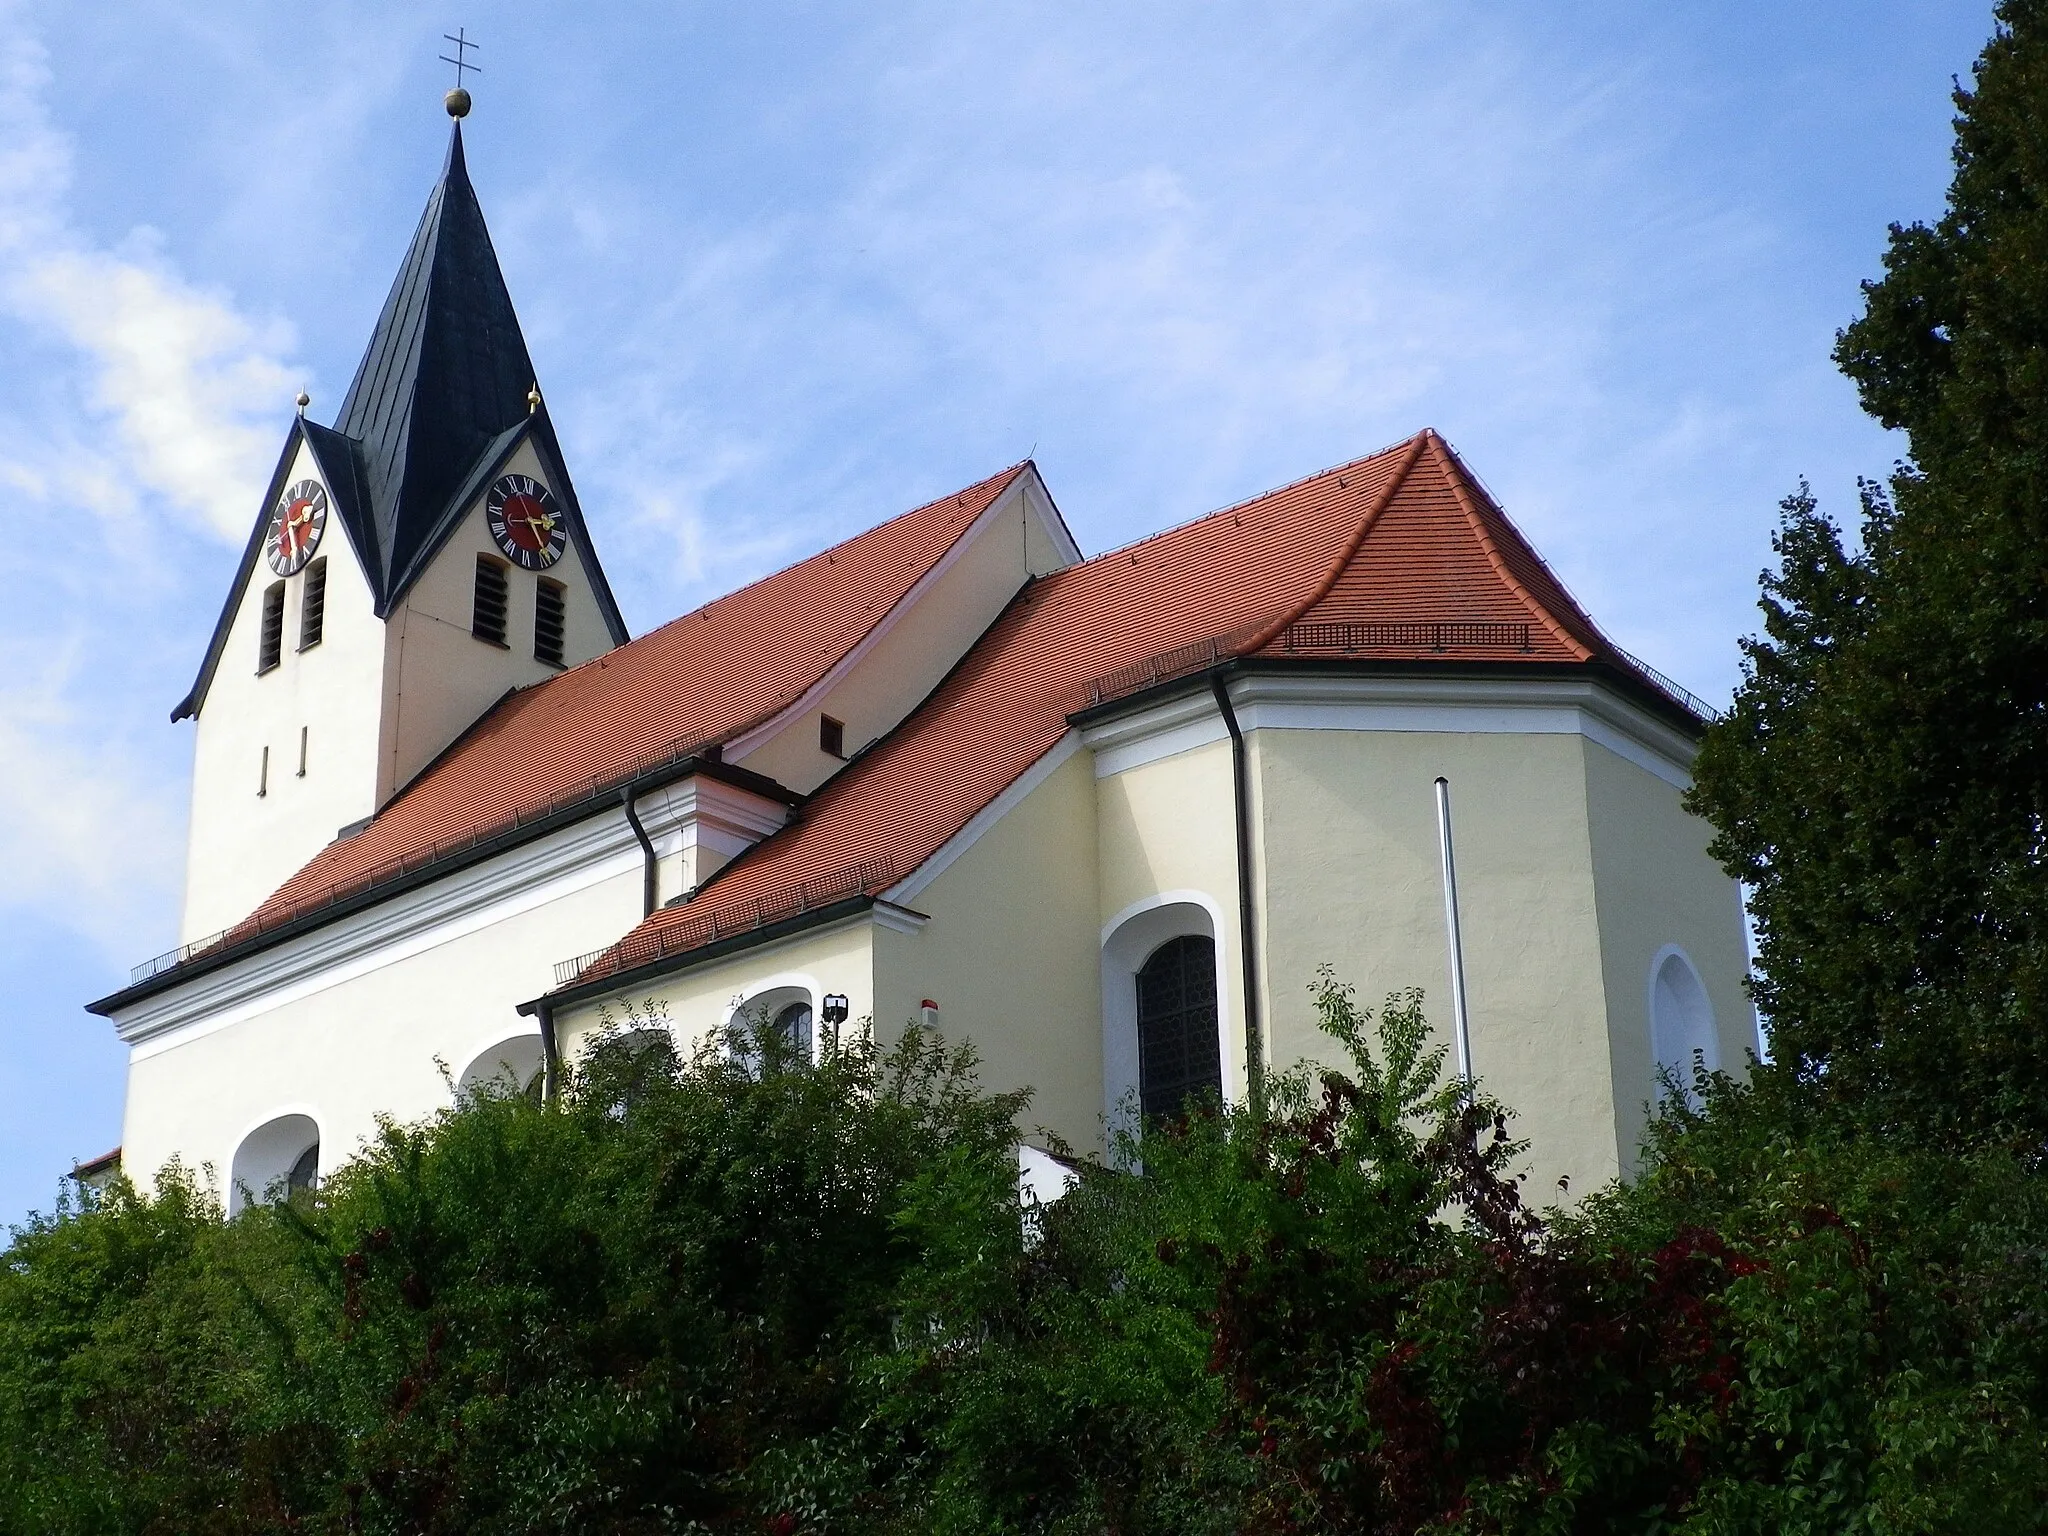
275,1159
788,1003
1681,1020
512,1065
1130,939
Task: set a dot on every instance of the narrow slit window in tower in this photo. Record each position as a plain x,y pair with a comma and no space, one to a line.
303,730
313,605
831,736
488,624
263,775
550,602
270,642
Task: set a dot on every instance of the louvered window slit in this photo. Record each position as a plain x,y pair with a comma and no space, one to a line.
313,606
488,620
270,642
550,603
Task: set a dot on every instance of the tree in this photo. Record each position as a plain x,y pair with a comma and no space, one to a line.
1882,780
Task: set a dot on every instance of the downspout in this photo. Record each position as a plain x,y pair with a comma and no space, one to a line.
1460,1018
551,1057
1254,1038
650,878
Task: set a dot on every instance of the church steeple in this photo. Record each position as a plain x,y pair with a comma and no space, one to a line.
408,566
444,378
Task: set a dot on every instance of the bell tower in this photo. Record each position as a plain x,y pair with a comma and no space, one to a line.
408,566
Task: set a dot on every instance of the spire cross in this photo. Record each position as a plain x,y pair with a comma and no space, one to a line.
459,37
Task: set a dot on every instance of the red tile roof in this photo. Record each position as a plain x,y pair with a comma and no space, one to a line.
1396,555
696,681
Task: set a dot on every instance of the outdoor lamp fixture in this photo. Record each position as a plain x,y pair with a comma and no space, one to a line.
834,1008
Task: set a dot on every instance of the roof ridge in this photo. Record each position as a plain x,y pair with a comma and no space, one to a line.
1241,504
1004,475
1349,552
1454,472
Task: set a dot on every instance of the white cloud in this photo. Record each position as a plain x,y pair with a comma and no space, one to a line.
191,387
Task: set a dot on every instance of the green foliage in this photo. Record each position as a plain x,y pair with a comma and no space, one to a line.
639,1310
1882,782
749,1293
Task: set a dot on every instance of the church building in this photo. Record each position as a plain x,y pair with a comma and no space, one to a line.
1102,816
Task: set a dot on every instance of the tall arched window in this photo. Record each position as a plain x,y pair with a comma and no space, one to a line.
1681,1021
1178,1054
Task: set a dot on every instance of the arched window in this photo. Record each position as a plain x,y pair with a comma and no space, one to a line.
278,1159
305,1175
1178,1053
786,1009
514,1065
1681,1021
793,1023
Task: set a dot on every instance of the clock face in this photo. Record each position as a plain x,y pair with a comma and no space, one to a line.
295,526
526,520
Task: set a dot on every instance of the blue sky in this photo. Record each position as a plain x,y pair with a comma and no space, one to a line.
790,266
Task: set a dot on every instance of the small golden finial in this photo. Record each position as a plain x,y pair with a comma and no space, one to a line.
533,398
304,401
457,100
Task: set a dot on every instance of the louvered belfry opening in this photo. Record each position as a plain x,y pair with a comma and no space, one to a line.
550,615
488,622
270,641
313,606
1178,1050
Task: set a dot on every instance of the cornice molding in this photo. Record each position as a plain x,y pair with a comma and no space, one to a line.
1538,705
707,811
468,899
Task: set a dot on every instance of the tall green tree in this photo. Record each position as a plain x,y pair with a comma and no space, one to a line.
1882,781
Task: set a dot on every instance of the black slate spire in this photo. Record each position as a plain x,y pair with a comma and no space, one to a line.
446,375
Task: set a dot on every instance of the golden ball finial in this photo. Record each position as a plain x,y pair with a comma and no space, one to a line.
304,401
533,398
457,102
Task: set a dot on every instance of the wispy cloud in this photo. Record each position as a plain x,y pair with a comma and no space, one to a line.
187,387
152,413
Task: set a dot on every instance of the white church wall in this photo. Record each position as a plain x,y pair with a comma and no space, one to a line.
911,650
439,675
373,1013
244,845
1009,953
1658,888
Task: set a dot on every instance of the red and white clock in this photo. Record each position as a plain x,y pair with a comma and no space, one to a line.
296,524
526,521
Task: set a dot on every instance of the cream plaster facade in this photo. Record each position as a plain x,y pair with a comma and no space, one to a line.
438,677
1577,869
